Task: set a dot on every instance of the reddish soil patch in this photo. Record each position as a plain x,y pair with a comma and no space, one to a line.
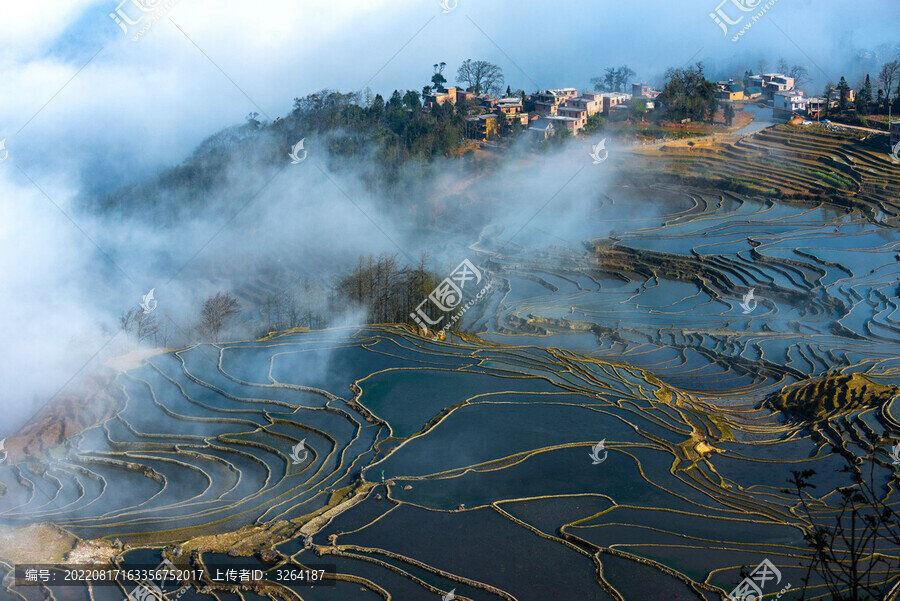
93,401
741,119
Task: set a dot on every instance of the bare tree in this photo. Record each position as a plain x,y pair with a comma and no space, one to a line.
163,334
829,94
438,80
280,311
782,66
139,323
623,74
216,312
887,76
605,82
799,73
288,308
481,77
614,79
609,80
849,542
388,291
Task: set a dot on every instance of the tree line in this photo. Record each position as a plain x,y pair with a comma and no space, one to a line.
867,98
614,79
386,290
389,292
688,94
216,314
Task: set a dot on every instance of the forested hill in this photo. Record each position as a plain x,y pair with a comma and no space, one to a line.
387,134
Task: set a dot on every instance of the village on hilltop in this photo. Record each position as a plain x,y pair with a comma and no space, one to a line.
568,111
543,113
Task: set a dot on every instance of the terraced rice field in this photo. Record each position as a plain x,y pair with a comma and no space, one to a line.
465,464
845,168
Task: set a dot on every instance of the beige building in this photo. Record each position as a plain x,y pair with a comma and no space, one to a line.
509,105
547,102
590,102
541,128
573,112
612,99
561,123
815,107
483,127
566,103
729,90
439,98
785,104
776,82
848,96
511,108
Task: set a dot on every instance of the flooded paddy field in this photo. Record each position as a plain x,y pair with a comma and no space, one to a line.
686,341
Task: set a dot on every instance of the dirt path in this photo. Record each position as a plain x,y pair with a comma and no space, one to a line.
859,127
734,135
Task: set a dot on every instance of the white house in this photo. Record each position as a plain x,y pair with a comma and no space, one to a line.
787,103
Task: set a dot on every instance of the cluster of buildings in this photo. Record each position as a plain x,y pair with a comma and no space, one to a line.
755,87
447,96
553,110
565,109
768,84
788,103
780,89
729,90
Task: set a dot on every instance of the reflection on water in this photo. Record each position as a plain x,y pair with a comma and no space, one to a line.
762,117
465,463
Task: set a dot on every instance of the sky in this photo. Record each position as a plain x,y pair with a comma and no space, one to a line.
78,96
85,110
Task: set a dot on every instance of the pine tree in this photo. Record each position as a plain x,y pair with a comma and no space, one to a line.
729,114
866,94
843,91
438,79
864,97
